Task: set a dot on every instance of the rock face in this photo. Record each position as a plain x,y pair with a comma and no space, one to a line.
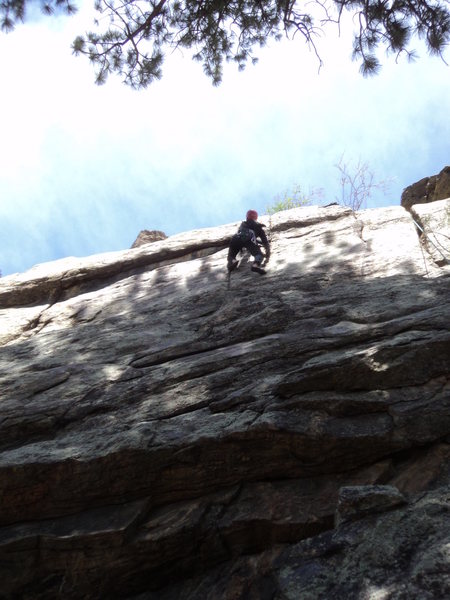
167,436
428,189
358,501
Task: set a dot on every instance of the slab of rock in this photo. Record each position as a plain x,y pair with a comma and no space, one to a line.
157,425
399,555
358,501
432,222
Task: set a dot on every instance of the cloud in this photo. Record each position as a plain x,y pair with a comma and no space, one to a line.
84,168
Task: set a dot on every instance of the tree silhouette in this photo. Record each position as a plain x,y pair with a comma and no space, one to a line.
133,36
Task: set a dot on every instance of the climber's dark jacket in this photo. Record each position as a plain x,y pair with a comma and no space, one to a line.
247,236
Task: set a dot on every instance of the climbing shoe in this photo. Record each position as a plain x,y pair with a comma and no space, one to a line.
257,269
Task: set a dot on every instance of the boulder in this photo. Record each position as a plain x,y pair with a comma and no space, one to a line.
428,189
148,237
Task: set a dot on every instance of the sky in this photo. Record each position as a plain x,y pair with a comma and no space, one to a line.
85,168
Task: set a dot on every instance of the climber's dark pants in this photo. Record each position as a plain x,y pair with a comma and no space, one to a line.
236,246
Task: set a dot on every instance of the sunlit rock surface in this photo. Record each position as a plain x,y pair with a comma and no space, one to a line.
167,433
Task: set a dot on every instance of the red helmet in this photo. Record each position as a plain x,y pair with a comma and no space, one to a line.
252,214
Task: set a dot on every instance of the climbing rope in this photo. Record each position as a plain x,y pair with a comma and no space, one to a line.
269,237
423,255
427,238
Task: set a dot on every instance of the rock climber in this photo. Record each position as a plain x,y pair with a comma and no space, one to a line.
247,236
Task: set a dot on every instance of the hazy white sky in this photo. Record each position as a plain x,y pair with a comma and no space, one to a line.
84,168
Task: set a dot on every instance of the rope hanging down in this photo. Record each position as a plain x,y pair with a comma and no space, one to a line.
427,238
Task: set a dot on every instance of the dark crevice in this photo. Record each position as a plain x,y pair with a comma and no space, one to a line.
200,348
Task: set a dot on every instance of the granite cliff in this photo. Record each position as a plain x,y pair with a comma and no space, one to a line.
165,436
